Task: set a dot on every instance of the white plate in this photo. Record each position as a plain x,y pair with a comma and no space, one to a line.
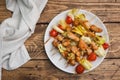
55,59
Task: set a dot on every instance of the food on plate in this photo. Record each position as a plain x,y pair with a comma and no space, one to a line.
92,57
53,33
78,41
79,69
105,45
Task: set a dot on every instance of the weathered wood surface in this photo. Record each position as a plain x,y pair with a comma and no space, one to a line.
44,70
107,10
40,68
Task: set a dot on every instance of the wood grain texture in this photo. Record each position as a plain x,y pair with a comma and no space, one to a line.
104,15
107,10
45,70
35,45
82,1
4,13
117,0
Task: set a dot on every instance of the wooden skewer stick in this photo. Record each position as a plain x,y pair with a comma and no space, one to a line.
60,58
66,65
92,18
53,53
52,49
47,40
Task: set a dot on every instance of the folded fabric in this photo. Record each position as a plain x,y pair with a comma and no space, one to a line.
15,31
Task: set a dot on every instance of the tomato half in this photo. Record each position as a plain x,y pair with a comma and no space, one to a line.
79,69
105,45
92,57
61,27
68,20
53,33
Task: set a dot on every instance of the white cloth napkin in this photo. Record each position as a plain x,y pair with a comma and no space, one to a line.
15,30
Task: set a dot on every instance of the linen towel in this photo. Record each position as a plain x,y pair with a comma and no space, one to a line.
15,30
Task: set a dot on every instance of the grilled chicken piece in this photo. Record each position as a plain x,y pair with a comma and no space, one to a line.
95,28
72,36
74,49
89,51
68,48
71,58
94,46
85,24
64,54
72,62
76,22
59,37
77,59
66,42
78,53
55,43
90,34
82,45
68,28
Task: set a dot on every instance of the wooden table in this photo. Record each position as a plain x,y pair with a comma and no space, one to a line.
40,67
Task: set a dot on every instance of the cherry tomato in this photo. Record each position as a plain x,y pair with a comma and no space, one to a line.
68,20
80,69
105,45
61,27
53,33
92,57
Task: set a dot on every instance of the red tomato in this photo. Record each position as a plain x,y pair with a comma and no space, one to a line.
80,69
61,27
53,33
105,45
92,57
68,20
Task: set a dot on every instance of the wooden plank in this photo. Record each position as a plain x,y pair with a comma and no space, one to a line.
82,1
35,43
109,12
114,36
4,13
44,70
117,0
104,15
2,2
107,1
40,68
106,11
